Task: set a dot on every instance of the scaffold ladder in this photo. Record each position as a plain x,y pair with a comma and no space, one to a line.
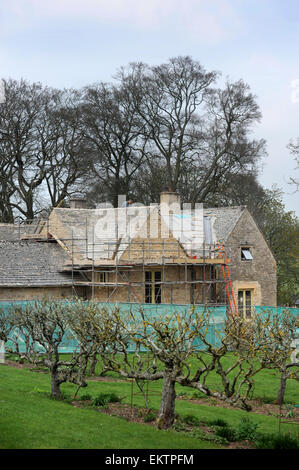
226,276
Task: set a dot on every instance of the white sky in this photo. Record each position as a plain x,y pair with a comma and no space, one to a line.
71,43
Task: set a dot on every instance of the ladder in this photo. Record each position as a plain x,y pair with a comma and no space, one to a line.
226,276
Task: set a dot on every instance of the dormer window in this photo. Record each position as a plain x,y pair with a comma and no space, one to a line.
246,254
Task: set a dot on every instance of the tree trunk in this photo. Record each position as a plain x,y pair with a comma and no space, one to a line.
282,388
93,364
167,407
55,386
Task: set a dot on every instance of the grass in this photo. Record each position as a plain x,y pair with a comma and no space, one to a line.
265,388
30,419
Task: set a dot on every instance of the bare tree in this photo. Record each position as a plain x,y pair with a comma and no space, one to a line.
167,98
175,341
41,148
197,133
90,325
7,190
276,332
172,341
156,126
115,137
178,346
225,147
19,116
68,155
44,329
149,181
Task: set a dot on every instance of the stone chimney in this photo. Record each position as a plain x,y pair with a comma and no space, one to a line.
170,202
78,203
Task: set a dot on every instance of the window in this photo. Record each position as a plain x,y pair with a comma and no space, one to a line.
153,287
246,254
101,277
245,303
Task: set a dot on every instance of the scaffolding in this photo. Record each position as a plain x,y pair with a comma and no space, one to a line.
139,270
196,276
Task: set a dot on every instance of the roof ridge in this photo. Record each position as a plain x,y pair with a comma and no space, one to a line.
241,206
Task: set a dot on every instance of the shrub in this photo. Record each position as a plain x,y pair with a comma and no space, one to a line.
246,430
104,398
114,398
276,441
289,411
196,395
101,400
218,422
226,433
86,397
192,420
199,434
149,416
179,423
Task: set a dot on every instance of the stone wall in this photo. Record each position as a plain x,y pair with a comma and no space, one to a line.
258,274
176,292
31,293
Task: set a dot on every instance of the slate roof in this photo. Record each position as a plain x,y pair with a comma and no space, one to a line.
224,219
28,263
14,231
9,232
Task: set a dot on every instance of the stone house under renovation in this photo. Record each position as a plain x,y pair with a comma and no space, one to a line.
160,254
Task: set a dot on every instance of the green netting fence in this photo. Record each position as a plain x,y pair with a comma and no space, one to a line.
217,320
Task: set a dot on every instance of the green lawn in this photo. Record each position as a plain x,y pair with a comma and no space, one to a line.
266,382
29,419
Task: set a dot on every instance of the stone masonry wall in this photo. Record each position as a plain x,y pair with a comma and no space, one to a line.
177,293
259,274
31,293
